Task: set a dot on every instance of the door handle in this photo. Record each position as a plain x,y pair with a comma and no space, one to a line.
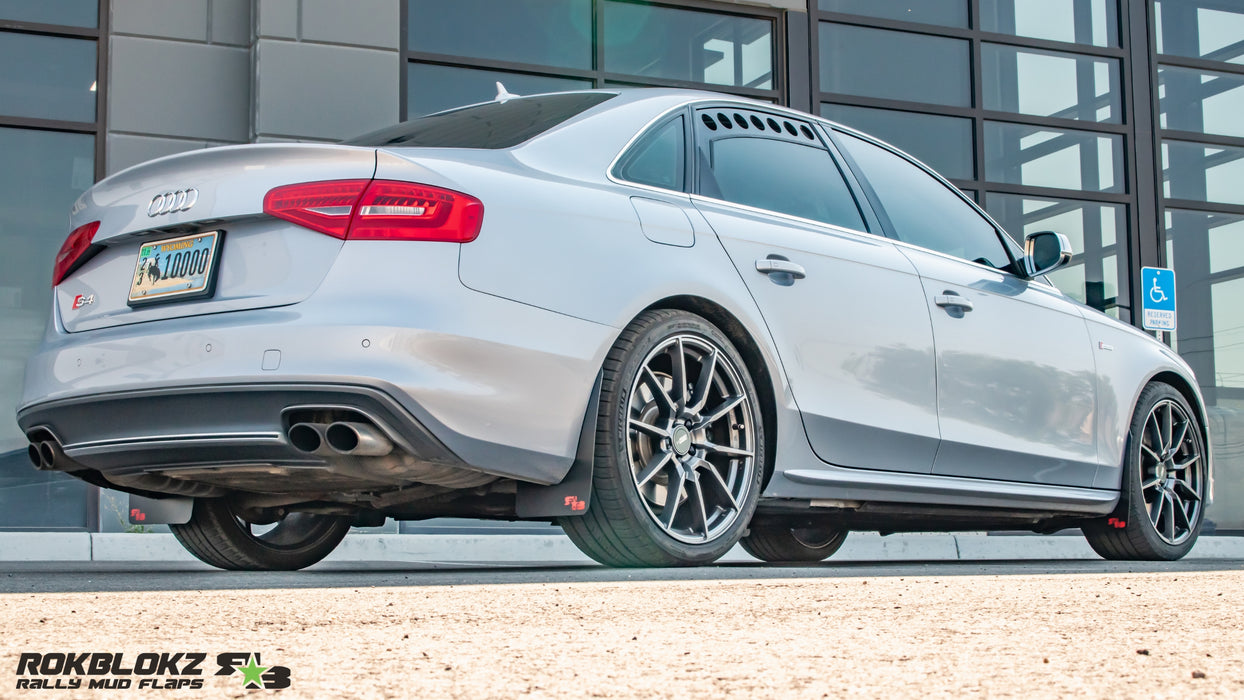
771,266
950,300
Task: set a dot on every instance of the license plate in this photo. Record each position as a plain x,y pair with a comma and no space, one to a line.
175,269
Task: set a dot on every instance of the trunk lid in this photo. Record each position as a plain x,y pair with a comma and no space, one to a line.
259,261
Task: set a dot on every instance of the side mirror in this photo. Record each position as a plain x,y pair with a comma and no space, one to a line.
1044,252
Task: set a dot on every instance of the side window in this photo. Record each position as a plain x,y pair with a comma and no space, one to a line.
656,159
923,211
781,176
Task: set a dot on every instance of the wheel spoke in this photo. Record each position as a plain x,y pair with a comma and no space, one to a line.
1178,510
678,361
718,481
1150,484
699,497
1187,463
1152,454
1170,429
1155,509
725,449
1183,433
725,407
659,392
1185,491
672,496
1170,521
703,384
652,468
649,428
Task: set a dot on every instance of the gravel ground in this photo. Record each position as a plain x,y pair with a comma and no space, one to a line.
1116,635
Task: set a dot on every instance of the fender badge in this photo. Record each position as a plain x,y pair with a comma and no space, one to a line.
83,300
1104,346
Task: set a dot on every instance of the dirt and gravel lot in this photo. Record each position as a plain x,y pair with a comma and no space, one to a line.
998,630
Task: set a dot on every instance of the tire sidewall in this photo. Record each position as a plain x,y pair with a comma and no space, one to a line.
615,427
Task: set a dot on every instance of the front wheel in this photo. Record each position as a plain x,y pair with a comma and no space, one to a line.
779,541
1164,485
679,447
220,537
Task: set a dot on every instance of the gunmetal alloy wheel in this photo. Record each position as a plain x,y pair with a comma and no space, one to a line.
1162,499
691,447
1170,468
217,535
679,447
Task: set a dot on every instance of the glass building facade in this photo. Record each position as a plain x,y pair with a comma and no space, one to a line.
1115,122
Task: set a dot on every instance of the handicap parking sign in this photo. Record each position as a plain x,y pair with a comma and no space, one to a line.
1157,298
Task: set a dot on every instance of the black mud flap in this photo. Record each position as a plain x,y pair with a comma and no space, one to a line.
574,494
160,511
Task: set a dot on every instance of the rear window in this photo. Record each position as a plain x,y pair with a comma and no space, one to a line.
491,125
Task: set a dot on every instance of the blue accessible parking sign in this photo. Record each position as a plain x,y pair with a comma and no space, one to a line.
1157,298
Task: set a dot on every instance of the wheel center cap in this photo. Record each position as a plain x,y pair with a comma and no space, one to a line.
680,438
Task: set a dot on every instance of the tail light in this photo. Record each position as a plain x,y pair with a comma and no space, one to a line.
75,251
378,210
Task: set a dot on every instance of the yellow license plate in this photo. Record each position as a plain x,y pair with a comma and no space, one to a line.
175,269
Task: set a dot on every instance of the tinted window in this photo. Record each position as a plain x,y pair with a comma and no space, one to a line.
542,32
895,65
944,143
47,77
923,211
952,13
782,176
657,158
492,125
431,87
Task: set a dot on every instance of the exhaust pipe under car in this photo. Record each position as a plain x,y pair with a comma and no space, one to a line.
44,454
358,439
305,437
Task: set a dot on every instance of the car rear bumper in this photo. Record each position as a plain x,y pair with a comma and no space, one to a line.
498,386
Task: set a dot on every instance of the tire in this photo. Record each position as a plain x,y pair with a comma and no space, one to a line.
781,541
707,438
218,537
1161,504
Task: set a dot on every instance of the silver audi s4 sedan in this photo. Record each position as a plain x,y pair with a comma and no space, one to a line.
667,320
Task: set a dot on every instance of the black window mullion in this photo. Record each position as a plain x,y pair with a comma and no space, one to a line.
978,101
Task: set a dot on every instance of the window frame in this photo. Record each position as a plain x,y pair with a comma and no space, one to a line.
656,124
599,75
702,137
97,128
1014,266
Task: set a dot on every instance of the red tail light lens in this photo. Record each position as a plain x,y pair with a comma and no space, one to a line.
379,210
320,206
74,251
404,211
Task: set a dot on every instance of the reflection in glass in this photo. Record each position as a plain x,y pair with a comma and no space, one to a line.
1193,100
73,13
1093,22
47,77
1209,29
700,47
1094,228
943,143
1203,173
1203,241
433,88
34,220
951,13
894,65
544,32
1051,84
1062,158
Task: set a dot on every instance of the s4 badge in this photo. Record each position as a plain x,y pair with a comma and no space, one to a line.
83,300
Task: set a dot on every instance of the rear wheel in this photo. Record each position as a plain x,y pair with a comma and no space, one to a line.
679,447
220,537
1161,506
784,541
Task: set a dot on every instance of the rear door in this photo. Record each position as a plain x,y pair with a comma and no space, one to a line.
844,306
1016,379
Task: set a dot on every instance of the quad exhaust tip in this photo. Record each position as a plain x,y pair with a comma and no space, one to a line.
341,437
44,454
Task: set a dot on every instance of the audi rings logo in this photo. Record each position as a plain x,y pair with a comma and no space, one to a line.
169,202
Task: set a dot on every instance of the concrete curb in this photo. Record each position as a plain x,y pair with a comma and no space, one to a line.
556,548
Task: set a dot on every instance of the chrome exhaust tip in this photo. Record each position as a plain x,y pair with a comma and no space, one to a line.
359,439
305,437
49,454
35,458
